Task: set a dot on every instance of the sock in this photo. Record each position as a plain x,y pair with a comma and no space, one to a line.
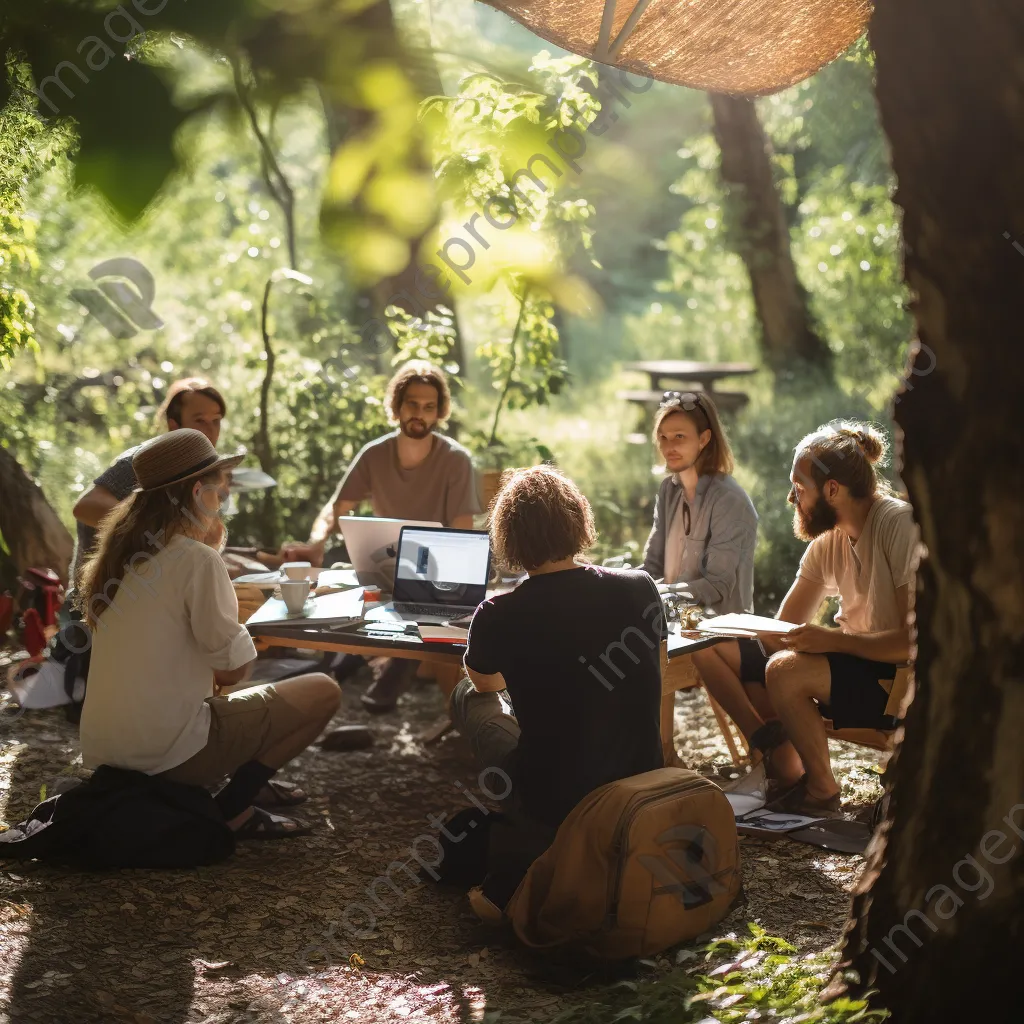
242,788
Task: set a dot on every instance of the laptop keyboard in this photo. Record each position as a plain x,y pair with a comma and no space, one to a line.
433,610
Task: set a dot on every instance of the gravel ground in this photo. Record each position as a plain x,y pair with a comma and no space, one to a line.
262,937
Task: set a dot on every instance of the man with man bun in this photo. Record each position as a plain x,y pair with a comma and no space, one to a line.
863,547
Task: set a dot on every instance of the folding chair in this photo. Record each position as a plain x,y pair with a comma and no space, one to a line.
680,673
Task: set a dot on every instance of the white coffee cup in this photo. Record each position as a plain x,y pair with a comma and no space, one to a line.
296,570
294,594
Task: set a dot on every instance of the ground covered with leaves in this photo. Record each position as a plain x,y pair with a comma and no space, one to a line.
268,935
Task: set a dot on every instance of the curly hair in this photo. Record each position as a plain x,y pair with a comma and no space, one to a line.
846,451
540,516
418,372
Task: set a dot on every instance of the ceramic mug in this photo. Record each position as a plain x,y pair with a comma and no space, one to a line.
296,570
294,594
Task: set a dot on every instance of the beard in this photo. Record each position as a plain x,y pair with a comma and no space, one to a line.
415,428
821,518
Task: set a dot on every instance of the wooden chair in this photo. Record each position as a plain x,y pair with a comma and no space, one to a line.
681,674
878,739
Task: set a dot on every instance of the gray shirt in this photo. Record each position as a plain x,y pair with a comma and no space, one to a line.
441,488
119,479
717,561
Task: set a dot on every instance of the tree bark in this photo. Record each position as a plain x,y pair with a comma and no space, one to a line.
29,526
951,94
791,345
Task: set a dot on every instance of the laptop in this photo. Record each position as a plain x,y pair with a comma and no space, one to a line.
372,546
440,575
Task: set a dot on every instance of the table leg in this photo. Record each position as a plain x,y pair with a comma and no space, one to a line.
668,720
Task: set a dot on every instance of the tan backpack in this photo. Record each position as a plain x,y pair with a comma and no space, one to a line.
637,866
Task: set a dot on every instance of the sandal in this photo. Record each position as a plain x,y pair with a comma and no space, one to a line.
796,800
278,793
264,825
771,735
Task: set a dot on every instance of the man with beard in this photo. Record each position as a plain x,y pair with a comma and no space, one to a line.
863,547
413,472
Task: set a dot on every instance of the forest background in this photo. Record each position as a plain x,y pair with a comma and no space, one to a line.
641,254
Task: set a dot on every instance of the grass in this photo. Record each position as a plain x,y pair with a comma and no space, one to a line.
763,978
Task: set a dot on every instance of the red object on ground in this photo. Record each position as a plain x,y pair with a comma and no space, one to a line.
33,639
6,612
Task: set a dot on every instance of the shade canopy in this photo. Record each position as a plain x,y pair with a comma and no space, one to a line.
746,47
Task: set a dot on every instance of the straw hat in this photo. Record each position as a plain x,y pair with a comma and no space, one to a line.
177,456
748,47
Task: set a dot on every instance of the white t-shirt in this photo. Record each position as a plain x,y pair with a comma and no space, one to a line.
866,575
171,623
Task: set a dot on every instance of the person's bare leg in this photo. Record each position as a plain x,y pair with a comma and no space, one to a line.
719,667
784,763
795,682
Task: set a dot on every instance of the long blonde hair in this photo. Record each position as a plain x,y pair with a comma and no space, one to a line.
132,532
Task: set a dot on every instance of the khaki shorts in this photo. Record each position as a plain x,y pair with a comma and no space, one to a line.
243,725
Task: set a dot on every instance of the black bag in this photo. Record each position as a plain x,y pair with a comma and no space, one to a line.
124,819
464,859
75,661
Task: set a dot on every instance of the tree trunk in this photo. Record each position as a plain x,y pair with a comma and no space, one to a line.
951,94
29,526
790,344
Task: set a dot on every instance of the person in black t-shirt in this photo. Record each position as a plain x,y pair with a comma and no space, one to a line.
574,647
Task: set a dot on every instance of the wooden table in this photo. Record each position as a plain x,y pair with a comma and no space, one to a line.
677,669
684,375
689,372
678,672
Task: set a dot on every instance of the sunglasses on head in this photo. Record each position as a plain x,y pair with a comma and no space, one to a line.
687,400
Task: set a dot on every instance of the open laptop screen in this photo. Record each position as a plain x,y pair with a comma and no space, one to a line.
443,567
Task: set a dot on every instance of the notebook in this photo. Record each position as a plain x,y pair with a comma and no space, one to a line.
336,609
741,624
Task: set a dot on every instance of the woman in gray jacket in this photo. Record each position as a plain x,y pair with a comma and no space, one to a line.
705,526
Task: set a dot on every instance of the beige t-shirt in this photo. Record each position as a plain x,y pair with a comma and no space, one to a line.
154,650
441,488
866,575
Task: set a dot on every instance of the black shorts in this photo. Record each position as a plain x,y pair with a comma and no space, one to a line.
857,699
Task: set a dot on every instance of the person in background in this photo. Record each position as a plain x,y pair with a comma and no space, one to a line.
575,649
864,547
191,402
412,472
166,639
705,526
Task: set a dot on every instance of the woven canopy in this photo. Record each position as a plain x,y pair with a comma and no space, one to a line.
747,47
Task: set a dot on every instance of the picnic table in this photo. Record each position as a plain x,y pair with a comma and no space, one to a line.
684,375
678,671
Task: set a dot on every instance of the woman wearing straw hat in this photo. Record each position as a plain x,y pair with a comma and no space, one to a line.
166,638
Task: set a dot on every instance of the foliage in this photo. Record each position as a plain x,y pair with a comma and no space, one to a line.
765,982
130,99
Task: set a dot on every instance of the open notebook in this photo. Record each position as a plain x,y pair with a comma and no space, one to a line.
741,624
337,609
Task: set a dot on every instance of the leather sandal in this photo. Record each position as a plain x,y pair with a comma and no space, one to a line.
278,793
796,800
771,735
264,825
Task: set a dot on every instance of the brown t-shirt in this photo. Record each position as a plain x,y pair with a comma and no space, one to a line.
441,488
